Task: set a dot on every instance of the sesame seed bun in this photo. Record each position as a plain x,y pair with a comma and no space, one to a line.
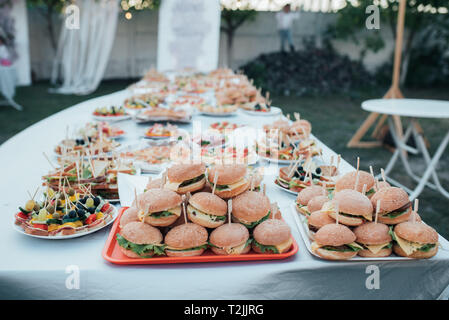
140,233
185,236
129,215
183,172
154,184
353,203
416,232
335,255
372,233
227,173
348,180
319,219
417,254
347,221
382,184
384,252
391,199
156,200
272,232
229,235
250,206
399,219
334,235
209,203
308,193
226,194
316,203
192,187
417,217
162,221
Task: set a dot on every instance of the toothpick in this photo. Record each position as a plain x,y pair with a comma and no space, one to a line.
215,181
364,189
338,161
252,183
164,179
229,210
377,184
382,172
358,163
49,160
377,210
35,192
356,181
332,160
275,205
184,211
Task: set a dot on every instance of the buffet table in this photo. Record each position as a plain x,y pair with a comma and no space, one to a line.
35,268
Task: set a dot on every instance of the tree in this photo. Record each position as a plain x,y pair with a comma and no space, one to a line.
231,21
421,16
48,8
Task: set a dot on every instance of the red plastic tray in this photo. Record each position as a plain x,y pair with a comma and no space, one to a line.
111,252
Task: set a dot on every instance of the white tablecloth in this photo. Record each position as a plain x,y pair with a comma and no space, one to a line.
34,268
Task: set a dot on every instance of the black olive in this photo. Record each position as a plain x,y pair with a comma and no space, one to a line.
80,206
296,174
301,178
318,170
91,210
72,214
300,169
81,213
96,201
257,107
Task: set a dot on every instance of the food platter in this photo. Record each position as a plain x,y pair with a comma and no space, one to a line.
112,253
286,190
301,224
114,215
273,112
218,114
112,118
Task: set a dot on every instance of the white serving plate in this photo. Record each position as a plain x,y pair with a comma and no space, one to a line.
76,235
218,114
112,118
273,112
301,224
277,160
286,190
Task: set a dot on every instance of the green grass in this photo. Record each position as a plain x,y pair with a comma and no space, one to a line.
334,120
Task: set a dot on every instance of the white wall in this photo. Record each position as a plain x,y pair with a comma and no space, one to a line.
22,65
135,46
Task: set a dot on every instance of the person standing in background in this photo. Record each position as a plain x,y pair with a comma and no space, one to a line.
285,20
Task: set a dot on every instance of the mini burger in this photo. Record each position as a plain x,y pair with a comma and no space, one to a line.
316,203
354,208
130,215
159,207
183,178
375,240
395,206
250,208
317,220
140,240
415,240
207,210
230,238
232,180
272,236
186,240
335,242
306,195
348,181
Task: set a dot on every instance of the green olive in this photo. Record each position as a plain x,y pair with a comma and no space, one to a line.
30,205
71,192
36,207
51,209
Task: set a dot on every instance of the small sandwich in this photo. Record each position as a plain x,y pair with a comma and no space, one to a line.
316,203
207,210
375,239
272,236
395,205
415,240
349,180
354,208
140,240
183,178
335,242
230,238
250,208
232,180
306,195
159,207
186,240
317,220
130,215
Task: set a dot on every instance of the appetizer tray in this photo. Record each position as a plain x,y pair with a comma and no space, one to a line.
76,235
301,223
112,118
273,111
218,114
111,252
